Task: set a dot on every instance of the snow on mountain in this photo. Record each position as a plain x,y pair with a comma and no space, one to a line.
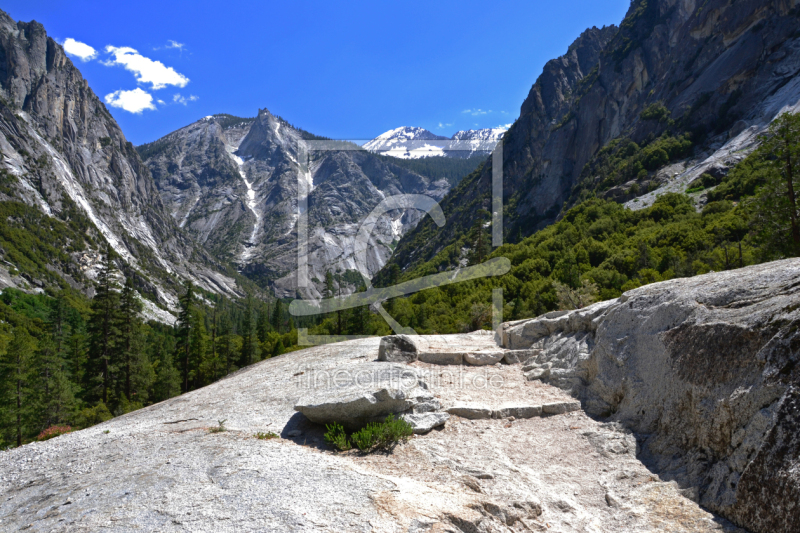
407,143
483,134
412,143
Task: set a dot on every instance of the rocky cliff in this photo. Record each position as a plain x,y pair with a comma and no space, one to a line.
704,371
712,74
62,152
236,186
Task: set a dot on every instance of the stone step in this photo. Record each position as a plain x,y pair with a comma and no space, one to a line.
482,412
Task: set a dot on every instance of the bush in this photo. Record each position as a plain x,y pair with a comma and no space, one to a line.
336,437
382,435
655,111
375,436
53,431
91,416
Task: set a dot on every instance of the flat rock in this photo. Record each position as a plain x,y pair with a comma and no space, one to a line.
559,408
364,392
471,412
477,348
483,358
424,422
518,411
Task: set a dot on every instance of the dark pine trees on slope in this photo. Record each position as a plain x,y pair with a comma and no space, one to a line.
102,328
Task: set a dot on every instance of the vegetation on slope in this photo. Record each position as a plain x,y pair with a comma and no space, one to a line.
600,249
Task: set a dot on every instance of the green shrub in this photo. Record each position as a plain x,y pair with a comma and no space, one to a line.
336,437
266,436
91,416
655,111
382,435
375,436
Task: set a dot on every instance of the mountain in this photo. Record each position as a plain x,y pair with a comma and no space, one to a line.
236,185
678,90
414,143
68,170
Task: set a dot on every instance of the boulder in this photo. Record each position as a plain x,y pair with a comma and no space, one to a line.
369,392
424,422
397,349
364,392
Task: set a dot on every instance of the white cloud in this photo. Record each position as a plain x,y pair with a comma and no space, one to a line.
442,126
82,51
476,112
175,44
178,99
134,101
145,69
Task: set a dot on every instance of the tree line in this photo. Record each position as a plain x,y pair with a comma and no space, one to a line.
69,362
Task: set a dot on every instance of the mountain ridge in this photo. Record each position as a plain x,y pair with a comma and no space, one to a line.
62,149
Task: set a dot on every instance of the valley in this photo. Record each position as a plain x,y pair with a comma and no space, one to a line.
627,363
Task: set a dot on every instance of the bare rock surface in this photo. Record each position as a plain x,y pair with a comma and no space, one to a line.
704,370
478,348
160,469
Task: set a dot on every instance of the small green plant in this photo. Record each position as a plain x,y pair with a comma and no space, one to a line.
106,432
382,435
220,428
336,437
266,436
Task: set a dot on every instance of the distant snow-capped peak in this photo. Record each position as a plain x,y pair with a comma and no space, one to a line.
411,142
484,134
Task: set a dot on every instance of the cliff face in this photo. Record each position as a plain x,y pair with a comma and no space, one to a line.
235,187
718,72
704,371
61,148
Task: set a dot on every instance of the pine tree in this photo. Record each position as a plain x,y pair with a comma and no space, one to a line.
128,356
56,398
184,329
277,315
198,351
17,374
249,345
263,326
777,218
167,382
102,329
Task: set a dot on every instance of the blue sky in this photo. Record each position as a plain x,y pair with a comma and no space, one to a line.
340,70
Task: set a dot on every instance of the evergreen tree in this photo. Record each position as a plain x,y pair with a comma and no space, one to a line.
198,351
776,205
184,330
263,326
102,329
277,316
56,399
249,345
17,374
167,382
128,355
481,247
